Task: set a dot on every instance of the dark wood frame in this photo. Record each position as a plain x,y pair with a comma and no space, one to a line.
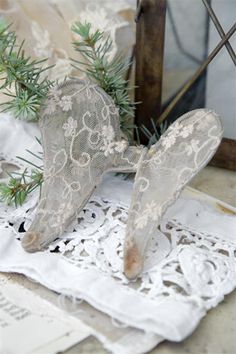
150,35
225,156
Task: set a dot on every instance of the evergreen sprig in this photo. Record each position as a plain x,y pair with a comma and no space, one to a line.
109,74
23,76
19,186
158,131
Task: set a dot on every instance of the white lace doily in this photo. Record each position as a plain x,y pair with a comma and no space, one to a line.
190,264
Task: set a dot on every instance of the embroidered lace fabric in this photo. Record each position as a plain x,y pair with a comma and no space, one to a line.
189,267
82,140
182,151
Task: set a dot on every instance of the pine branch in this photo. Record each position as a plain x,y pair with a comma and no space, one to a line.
158,131
20,186
95,48
23,76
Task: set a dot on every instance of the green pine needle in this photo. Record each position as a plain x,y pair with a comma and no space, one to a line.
158,131
19,186
23,75
94,48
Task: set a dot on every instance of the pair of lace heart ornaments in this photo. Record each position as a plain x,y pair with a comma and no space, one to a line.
82,140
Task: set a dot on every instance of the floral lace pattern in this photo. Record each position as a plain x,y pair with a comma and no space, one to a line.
182,151
82,140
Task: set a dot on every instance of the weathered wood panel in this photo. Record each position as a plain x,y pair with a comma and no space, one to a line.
150,35
225,156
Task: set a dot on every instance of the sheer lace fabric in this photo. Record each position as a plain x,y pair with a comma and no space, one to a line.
184,149
82,140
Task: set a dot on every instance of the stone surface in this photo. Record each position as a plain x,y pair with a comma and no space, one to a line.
218,183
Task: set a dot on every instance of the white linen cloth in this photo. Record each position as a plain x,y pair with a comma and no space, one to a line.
189,268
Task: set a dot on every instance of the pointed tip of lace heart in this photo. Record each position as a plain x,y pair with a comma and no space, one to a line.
133,262
31,242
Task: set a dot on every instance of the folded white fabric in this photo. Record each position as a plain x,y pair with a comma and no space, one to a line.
189,267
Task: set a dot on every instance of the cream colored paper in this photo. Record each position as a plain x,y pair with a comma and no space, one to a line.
29,324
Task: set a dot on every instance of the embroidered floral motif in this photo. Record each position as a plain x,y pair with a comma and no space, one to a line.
151,211
108,132
186,131
108,137
141,221
168,141
70,127
109,145
66,103
192,147
175,128
121,146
